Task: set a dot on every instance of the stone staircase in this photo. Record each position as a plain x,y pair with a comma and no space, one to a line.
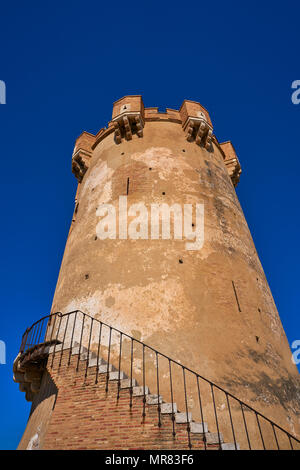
50,356
195,429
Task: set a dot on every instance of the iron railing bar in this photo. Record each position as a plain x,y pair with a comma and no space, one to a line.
231,422
72,337
40,331
108,359
88,351
46,332
216,416
98,352
131,370
31,335
80,343
119,368
53,327
261,436
43,318
245,424
158,397
188,428
144,384
275,437
62,346
23,342
53,355
26,334
201,412
172,399
37,329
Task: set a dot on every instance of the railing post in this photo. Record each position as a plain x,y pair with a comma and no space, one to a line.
88,351
188,428
131,366
245,424
158,397
172,398
275,436
98,352
231,422
216,416
144,384
63,342
24,340
53,354
72,337
108,359
201,412
261,436
80,343
120,361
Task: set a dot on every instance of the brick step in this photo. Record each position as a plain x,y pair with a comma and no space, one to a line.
214,438
116,375
153,399
139,391
181,418
128,383
198,428
168,408
230,446
102,369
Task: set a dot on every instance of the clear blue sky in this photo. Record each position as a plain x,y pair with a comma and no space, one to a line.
64,63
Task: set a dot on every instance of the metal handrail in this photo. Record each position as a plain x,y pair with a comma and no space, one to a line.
40,330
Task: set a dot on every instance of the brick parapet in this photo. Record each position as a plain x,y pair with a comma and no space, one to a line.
129,117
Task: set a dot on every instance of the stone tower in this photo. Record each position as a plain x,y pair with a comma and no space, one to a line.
206,305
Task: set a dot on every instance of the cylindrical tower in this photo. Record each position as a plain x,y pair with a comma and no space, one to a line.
197,292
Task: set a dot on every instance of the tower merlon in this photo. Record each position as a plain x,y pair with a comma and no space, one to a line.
231,161
81,154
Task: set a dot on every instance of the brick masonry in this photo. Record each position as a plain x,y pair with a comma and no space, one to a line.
85,416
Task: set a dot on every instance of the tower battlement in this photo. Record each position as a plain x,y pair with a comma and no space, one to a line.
129,120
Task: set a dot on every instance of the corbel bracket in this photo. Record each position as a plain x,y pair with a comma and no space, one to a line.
197,129
127,124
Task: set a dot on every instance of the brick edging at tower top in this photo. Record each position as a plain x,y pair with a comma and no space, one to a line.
129,118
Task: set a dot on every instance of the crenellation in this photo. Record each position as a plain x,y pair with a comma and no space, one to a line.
231,161
129,118
192,109
82,154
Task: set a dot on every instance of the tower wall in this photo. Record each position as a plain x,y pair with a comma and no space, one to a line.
209,308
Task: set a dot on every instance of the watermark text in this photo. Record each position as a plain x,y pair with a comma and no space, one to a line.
2,92
159,221
296,354
2,352
296,94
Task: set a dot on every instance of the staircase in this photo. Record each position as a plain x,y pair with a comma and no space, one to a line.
198,430
84,349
